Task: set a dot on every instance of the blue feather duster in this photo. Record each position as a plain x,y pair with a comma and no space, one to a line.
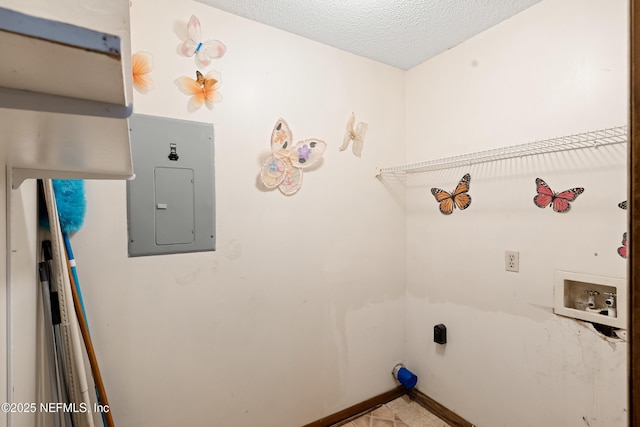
71,203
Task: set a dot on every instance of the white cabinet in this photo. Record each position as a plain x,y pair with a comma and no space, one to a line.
65,89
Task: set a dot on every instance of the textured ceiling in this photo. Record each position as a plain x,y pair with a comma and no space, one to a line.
400,33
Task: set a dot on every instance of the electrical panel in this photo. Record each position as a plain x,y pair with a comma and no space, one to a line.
171,200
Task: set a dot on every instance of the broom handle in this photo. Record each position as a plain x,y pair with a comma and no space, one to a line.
88,344
72,263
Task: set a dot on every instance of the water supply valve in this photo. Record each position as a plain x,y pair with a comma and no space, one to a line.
591,303
610,302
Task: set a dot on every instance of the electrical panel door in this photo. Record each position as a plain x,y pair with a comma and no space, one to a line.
170,202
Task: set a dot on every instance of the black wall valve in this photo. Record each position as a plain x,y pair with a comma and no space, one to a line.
440,334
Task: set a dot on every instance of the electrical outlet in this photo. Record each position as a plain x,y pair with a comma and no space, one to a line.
512,261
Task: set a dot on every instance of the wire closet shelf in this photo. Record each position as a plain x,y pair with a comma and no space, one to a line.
592,139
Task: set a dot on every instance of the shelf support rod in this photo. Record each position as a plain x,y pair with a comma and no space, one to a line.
34,101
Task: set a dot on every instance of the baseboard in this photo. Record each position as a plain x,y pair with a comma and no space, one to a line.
437,409
359,408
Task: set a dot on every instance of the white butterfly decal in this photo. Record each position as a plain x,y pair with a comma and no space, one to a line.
356,135
204,51
283,168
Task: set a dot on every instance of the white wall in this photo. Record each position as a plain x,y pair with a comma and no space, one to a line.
555,69
300,311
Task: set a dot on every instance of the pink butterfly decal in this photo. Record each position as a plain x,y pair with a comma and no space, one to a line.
204,51
559,201
356,134
622,250
283,168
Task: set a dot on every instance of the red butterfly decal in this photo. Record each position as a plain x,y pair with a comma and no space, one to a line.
559,201
622,250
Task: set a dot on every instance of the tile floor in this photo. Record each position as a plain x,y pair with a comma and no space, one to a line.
402,412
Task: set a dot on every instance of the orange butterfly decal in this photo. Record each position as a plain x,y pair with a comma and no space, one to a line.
141,66
457,199
204,89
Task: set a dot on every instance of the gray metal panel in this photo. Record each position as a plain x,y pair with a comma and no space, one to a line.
167,155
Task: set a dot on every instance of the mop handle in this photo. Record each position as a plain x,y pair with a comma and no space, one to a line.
76,285
88,344
74,272
55,321
48,333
